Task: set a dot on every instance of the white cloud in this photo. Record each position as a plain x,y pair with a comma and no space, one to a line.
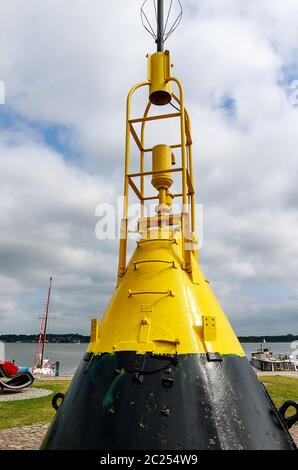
70,63
47,227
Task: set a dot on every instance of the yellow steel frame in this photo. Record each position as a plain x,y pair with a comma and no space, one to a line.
187,219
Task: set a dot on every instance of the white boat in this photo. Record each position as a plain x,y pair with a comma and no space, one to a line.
264,360
48,368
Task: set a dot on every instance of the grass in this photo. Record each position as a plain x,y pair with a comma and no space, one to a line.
281,389
39,410
26,412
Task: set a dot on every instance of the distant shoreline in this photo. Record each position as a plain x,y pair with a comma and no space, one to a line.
268,339
75,338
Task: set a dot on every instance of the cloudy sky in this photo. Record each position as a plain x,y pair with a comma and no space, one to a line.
67,66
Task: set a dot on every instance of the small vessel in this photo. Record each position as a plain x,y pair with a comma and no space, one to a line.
47,368
265,360
43,365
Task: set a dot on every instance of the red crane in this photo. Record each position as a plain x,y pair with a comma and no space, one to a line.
39,356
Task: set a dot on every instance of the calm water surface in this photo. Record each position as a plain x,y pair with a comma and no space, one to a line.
70,355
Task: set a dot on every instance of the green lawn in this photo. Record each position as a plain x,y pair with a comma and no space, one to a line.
281,388
39,410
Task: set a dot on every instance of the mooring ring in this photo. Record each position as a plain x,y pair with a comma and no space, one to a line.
58,396
290,420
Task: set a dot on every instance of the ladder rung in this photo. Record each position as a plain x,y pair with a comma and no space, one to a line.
155,221
157,172
174,146
172,240
154,118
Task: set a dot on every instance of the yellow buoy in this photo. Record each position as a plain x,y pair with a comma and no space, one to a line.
164,368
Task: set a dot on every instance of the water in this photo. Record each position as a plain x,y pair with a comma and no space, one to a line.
70,355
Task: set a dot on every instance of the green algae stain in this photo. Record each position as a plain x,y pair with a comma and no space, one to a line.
110,395
142,423
102,366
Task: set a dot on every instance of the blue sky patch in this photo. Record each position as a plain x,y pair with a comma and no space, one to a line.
228,105
56,136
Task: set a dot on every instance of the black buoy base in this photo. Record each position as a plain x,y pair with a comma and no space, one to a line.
129,401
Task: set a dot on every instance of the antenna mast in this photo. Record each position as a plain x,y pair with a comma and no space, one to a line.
38,359
160,26
167,17
46,321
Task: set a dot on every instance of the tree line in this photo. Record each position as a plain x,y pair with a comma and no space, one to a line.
77,338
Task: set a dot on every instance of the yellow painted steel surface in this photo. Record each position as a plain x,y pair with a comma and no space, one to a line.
157,307
161,161
158,72
162,304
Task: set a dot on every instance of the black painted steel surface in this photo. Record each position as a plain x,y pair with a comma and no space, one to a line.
126,401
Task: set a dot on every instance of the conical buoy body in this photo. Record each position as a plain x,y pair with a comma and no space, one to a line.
164,369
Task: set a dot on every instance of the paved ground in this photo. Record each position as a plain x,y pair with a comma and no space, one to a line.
290,373
25,438
50,378
294,432
30,437
31,392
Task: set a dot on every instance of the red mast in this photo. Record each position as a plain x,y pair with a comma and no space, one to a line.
38,358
